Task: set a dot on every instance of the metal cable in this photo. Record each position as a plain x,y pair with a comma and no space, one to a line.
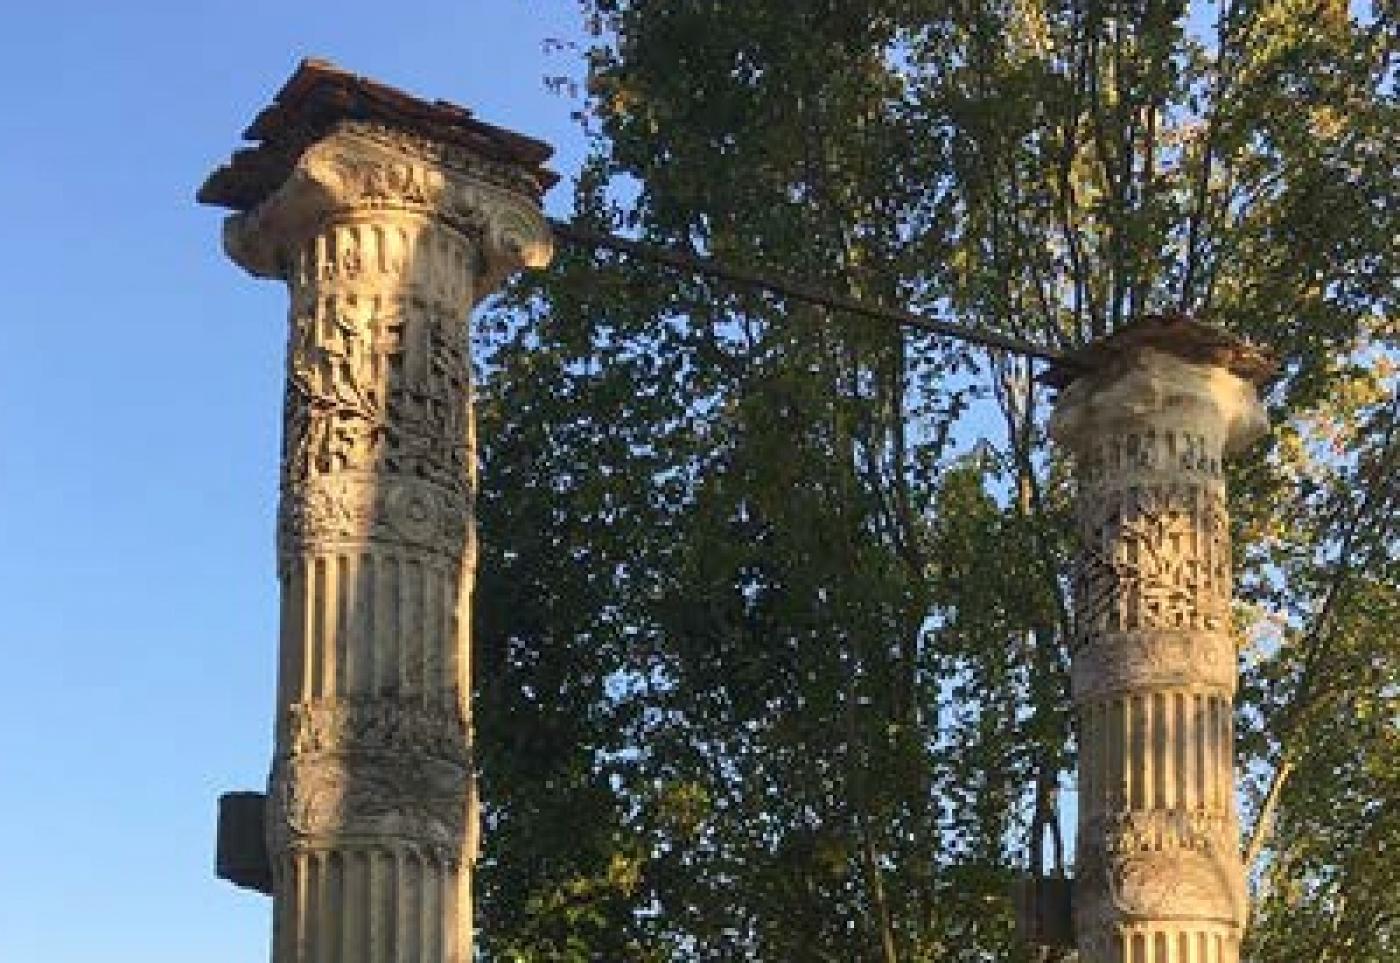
589,238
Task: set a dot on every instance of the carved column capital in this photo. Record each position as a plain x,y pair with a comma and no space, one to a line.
362,172
1150,388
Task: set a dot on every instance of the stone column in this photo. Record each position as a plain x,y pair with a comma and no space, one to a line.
387,218
1149,415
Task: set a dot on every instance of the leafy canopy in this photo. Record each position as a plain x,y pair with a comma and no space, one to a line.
771,614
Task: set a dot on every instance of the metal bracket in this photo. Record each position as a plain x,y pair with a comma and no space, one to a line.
1045,911
241,852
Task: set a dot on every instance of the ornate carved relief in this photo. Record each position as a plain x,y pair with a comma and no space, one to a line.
375,390
510,227
377,449
375,769
1171,885
1124,831
338,510
450,157
331,800
377,420
368,171
1160,453
1113,662
1152,557
384,726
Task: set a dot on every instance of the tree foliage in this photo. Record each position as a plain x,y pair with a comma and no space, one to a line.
770,654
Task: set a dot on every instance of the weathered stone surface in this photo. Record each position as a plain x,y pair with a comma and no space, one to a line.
319,96
1149,419
387,218
1177,335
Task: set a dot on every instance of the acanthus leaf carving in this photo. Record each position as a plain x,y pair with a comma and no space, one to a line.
1153,556
397,727
383,389
375,769
1117,888
328,800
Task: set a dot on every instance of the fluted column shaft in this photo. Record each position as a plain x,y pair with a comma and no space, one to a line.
385,241
1158,872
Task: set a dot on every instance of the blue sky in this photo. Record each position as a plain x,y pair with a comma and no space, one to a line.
139,420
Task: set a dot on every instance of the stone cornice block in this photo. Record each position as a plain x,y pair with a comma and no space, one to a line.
319,95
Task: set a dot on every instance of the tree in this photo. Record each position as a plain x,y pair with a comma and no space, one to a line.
772,658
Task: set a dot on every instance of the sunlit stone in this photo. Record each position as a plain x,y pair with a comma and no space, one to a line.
1149,416
388,218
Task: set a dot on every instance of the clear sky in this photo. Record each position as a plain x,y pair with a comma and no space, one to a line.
139,415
